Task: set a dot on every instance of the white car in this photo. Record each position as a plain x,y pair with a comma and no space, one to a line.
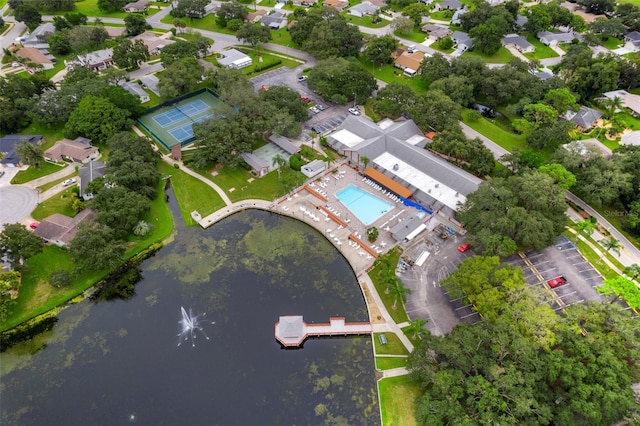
69,182
354,111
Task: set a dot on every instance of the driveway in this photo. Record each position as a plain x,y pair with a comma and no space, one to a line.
17,203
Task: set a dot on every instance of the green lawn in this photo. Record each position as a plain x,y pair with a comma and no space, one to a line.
397,401
207,23
192,194
387,363
393,347
502,56
90,8
417,35
32,173
365,21
542,50
488,128
398,315
591,256
51,135
615,220
442,15
612,43
389,74
60,203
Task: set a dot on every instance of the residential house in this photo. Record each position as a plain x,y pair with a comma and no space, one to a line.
632,41
521,21
449,5
259,167
379,3
233,58
542,74
455,19
339,5
436,31
313,168
136,90
585,118
409,63
154,43
137,6
518,42
305,3
631,138
400,163
79,150
39,37
89,172
95,61
115,32
462,42
150,82
628,100
274,21
36,58
362,9
595,145
554,39
8,145
254,17
59,229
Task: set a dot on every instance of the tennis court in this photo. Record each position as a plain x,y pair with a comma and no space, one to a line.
172,122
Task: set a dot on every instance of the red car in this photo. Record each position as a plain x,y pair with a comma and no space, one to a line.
464,247
557,282
34,225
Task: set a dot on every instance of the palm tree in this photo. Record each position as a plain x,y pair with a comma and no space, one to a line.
633,271
586,226
611,244
365,161
612,104
279,163
399,292
416,327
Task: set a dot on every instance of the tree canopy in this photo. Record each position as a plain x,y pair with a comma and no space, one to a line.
96,118
19,244
339,80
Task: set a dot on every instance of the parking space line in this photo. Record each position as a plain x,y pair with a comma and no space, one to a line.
470,315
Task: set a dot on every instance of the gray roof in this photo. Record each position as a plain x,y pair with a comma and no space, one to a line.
254,161
462,38
633,36
134,88
436,30
364,8
560,37
151,82
284,143
230,56
40,35
521,20
400,231
516,39
8,146
273,20
96,57
543,74
586,117
291,326
89,172
450,4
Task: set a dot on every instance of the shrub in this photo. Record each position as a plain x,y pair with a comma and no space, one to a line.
372,233
296,162
60,278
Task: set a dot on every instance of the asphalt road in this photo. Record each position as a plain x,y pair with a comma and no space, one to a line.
17,202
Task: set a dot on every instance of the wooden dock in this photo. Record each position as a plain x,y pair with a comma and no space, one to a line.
291,330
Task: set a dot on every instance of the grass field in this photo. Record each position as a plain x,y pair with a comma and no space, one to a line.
393,347
397,401
387,363
612,43
488,128
192,194
207,23
417,35
365,21
502,56
398,315
389,74
60,203
51,184
542,50
591,256
614,217
90,8
32,173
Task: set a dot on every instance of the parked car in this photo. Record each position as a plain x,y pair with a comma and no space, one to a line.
557,282
34,225
464,247
302,78
305,99
69,182
320,107
354,111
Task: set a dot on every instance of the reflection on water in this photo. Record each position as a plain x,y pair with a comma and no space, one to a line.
117,362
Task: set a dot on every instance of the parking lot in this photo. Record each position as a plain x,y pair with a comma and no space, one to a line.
430,301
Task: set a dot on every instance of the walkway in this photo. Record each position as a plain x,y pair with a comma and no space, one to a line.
292,331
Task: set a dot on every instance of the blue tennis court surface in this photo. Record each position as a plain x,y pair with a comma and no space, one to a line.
185,132
179,113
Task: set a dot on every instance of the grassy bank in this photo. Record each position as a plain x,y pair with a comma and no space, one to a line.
397,401
398,315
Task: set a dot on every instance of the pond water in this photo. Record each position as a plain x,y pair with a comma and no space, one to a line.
118,362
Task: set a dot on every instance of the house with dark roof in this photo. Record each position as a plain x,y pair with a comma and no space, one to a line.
274,21
449,5
137,6
396,151
151,82
521,21
284,143
518,42
96,61
59,229
79,150
632,40
8,145
462,41
39,37
87,173
585,118
362,9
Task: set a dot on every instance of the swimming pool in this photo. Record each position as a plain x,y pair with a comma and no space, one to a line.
366,207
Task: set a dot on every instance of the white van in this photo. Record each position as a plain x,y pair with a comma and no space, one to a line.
411,48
